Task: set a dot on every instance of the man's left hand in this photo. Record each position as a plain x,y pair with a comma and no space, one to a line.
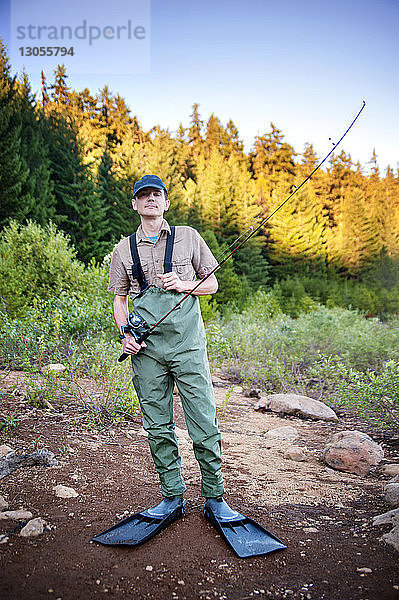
171,281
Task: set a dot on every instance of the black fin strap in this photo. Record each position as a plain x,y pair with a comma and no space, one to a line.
170,240
137,270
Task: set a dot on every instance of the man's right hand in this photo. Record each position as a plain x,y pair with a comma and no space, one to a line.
130,346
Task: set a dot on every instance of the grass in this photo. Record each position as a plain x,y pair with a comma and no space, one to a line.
334,354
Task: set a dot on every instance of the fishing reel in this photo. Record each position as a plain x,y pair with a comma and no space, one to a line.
137,327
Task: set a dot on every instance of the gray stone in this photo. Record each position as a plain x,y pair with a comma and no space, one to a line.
13,461
4,450
218,381
283,433
16,515
295,404
3,503
391,469
3,538
62,491
353,452
294,453
33,528
392,516
392,494
392,537
237,389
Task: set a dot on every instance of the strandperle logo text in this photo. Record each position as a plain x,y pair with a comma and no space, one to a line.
81,32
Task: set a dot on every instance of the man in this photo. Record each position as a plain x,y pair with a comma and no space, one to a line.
176,351
157,266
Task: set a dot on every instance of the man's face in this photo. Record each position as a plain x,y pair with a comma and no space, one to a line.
150,202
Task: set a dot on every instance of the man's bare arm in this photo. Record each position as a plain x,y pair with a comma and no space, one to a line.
171,281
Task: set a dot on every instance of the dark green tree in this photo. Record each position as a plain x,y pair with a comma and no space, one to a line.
37,201
13,171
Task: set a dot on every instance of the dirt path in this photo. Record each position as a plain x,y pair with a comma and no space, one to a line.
324,517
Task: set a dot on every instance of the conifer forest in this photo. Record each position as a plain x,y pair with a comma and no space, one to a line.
71,158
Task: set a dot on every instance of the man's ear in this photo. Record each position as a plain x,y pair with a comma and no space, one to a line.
134,205
167,203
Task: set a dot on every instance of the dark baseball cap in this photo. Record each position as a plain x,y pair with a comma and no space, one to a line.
152,181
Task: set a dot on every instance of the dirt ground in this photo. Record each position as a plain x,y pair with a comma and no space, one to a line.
323,516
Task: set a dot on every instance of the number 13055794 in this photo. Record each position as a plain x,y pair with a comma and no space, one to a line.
46,51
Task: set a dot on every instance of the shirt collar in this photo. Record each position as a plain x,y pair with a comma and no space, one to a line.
140,235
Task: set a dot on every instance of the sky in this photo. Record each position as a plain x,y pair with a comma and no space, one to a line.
304,65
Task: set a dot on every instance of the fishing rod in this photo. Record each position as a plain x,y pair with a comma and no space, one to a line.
138,327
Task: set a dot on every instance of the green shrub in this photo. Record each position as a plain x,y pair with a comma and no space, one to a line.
375,395
36,262
262,346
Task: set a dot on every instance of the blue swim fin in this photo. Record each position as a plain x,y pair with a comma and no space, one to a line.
142,526
245,536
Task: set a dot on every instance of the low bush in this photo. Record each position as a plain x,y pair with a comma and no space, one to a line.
36,262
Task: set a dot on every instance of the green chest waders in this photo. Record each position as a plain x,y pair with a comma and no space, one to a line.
176,353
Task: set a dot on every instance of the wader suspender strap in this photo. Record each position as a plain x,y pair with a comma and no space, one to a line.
170,240
137,269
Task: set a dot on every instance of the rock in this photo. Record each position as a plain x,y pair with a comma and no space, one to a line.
352,452
390,469
283,433
294,404
392,516
16,515
254,393
294,453
3,503
62,491
392,494
218,381
13,461
54,367
364,570
3,539
392,537
33,528
4,450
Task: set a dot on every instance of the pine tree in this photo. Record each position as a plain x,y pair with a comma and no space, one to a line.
44,91
271,157
195,133
232,288
13,172
73,185
60,90
37,201
160,159
114,208
298,229
356,241
213,136
390,188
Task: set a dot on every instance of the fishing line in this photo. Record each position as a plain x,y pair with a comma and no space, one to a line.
146,332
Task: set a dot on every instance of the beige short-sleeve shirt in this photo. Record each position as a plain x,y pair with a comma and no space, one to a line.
191,259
